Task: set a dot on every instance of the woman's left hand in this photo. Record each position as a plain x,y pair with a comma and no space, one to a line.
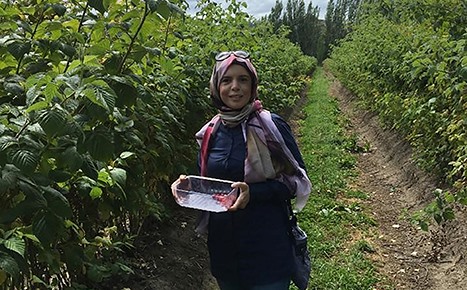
243,198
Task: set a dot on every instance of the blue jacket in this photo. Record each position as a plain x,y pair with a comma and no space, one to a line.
249,246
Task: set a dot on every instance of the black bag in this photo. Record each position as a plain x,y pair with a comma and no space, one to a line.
301,254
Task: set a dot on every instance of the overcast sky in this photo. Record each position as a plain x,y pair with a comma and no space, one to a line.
259,8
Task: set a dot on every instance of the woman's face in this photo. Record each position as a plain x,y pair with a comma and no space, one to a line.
235,87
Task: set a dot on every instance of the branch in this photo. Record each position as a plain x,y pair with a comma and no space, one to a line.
133,39
81,21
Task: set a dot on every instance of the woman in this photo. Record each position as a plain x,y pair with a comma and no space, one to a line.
249,245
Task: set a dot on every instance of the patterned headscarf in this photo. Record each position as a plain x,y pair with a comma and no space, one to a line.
229,116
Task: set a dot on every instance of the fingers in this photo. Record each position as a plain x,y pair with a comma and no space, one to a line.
179,183
182,178
243,197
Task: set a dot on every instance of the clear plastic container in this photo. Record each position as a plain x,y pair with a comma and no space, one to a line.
204,193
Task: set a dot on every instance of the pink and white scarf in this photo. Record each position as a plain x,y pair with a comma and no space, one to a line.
268,157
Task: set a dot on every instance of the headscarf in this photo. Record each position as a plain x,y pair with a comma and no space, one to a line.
233,117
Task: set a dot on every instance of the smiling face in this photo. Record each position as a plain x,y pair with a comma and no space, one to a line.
235,87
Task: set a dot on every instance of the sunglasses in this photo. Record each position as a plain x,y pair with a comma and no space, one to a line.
239,53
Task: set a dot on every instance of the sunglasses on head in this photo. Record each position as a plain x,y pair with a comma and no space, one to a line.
225,54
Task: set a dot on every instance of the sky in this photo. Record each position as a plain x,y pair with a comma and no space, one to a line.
259,8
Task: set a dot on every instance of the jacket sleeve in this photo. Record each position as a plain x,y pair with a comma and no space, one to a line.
273,190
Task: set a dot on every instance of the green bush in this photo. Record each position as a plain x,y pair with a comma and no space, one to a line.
407,61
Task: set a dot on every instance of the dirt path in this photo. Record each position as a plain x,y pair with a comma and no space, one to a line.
412,259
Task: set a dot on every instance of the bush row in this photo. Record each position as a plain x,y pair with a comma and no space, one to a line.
407,60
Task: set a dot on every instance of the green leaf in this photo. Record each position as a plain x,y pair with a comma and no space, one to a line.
59,175
105,178
25,160
40,65
112,63
37,280
54,28
10,215
126,154
71,158
97,273
6,142
34,201
163,9
30,189
125,91
28,141
9,265
37,106
133,138
59,9
174,8
448,214
168,66
423,225
100,94
152,4
68,50
72,24
89,167
46,227
100,144
25,25
19,48
13,88
57,203
153,50
450,198
99,48
98,5
118,175
95,192
54,121
15,244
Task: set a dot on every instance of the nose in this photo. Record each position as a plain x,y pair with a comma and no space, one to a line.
235,85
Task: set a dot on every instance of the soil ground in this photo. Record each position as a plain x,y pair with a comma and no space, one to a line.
411,258
172,256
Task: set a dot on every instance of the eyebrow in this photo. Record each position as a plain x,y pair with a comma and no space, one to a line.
244,75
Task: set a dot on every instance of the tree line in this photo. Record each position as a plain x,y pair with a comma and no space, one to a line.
315,36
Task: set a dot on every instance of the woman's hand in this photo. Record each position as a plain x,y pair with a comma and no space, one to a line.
243,198
181,182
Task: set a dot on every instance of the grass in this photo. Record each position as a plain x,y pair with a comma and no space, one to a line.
333,216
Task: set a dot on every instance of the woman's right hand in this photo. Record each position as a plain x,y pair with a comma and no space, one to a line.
178,184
